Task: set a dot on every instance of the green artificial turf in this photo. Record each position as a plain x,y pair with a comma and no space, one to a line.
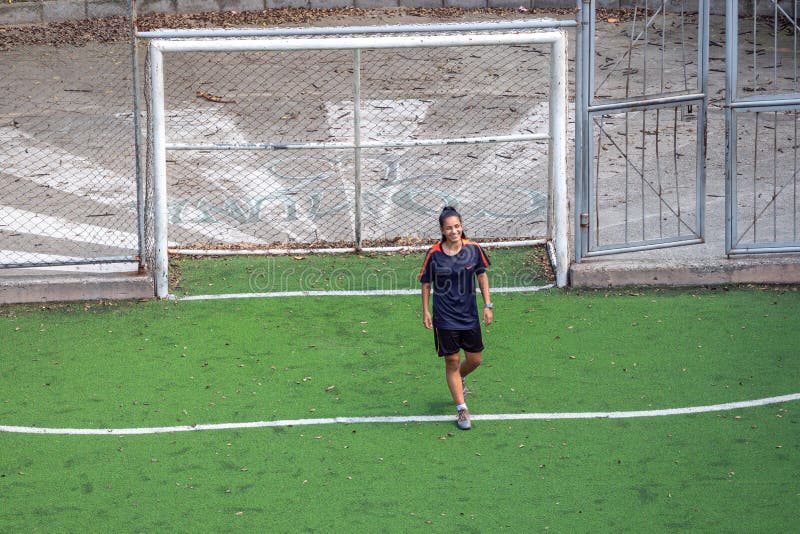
511,267
145,364
700,473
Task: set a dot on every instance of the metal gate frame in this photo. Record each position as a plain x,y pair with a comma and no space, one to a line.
736,104
587,107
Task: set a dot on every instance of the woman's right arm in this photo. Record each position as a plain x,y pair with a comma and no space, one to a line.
427,320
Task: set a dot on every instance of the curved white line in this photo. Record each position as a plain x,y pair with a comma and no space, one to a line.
403,419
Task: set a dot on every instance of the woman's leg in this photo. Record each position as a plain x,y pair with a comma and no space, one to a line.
452,370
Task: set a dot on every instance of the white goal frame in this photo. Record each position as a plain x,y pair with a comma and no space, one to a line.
557,135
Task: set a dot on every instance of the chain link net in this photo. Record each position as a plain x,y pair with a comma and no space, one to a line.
305,194
67,155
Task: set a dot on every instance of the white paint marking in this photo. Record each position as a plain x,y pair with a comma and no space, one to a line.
364,293
403,419
27,222
26,157
380,119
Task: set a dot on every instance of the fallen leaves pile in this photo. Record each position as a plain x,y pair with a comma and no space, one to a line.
117,29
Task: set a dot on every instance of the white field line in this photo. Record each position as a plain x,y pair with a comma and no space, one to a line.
364,293
404,419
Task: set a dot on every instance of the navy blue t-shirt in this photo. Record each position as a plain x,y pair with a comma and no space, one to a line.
453,281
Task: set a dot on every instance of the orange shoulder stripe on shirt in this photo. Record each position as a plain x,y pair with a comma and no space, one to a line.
434,248
484,259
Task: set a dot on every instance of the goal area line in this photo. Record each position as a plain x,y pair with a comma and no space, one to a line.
404,419
343,293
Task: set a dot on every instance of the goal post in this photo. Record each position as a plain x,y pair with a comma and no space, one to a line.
556,136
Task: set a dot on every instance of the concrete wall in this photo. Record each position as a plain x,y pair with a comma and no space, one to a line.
39,11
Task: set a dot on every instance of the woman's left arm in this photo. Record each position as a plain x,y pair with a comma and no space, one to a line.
483,283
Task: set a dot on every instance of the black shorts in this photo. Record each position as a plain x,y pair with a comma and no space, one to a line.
451,341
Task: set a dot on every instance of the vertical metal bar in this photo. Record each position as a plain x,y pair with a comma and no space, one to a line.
683,47
596,178
357,144
755,44
775,30
775,124
644,116
137,135
159,172
755,175
595,181
731,69
775,176
583,126
580,61
627,118
642,178
755,146
595,200
590,98
794,180
675,120
660,198
675,168
658,178
558,155
644,49
703,39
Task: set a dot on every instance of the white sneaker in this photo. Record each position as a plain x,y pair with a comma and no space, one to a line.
462,419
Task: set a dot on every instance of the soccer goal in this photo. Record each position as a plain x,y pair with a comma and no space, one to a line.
357,141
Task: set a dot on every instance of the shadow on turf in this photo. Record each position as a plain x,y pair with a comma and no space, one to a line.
443,407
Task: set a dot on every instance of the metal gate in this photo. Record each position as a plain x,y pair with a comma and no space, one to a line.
641,101
762,109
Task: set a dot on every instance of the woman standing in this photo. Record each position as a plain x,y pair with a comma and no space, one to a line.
451,268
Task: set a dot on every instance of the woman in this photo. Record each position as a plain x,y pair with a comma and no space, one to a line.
451,268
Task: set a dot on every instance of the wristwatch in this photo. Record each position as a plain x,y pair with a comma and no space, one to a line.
490,305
